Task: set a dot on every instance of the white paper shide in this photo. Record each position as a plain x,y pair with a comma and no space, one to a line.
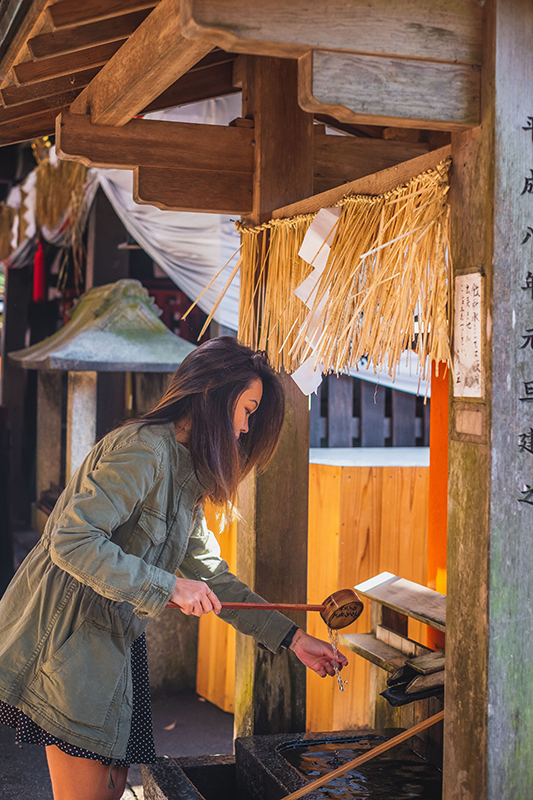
315,250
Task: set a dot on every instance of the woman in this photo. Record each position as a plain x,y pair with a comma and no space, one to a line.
73,670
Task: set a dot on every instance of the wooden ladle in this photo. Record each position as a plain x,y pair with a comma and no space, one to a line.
338,610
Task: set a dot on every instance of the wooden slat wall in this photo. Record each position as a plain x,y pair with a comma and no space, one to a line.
362,521
350,412
216,639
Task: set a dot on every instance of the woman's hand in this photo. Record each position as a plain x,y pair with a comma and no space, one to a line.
316,654
194,597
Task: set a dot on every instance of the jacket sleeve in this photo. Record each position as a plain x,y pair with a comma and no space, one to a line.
203,562
105,498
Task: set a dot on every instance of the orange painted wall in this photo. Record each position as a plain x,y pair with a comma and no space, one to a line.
438,490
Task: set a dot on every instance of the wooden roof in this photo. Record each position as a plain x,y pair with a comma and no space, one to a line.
85,70
51,51
382,62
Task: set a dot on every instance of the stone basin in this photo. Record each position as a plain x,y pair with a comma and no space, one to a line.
261,770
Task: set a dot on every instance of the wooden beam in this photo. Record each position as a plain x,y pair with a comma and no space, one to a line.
57,66
338,159
425,29
374,184
20,112
71,13
153,58
390,91
196,85
71,40
208,191
41,123
363,131
150,143
15,95
15,29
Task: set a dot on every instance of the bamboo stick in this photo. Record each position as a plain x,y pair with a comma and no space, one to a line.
376,751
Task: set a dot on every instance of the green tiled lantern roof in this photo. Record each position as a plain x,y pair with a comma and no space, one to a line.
114,328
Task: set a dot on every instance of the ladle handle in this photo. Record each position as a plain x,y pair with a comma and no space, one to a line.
276,606
266,606
376,751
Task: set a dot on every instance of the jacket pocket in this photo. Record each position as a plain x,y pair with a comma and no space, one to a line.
149,532
82,679
153,526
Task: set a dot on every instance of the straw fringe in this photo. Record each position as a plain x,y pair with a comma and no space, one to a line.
59,195
58,189
384,289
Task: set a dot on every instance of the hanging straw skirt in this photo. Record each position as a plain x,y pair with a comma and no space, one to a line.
140,749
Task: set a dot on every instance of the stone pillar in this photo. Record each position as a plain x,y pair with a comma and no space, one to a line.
48,456
488,751
81,419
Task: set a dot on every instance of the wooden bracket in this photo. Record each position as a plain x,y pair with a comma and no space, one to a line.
151,143
402,92
211,191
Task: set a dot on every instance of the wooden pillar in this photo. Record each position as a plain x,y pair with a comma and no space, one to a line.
488,752
149,389
7,564
272,540
105,262
14,393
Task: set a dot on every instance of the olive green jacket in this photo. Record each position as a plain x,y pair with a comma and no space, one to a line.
105,564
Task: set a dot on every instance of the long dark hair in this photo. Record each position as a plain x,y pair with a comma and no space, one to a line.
205,389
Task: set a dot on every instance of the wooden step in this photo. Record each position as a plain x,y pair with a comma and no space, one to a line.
427,664
407,597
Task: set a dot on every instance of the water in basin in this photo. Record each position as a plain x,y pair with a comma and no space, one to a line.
399,774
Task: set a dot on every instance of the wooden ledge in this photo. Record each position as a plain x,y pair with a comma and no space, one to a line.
407,597
377,183
371,649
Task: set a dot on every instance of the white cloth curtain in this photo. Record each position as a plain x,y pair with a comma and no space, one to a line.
191,248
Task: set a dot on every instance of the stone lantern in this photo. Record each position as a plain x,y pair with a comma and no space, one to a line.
114,328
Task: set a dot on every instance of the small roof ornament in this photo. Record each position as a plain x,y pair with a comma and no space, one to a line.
114,328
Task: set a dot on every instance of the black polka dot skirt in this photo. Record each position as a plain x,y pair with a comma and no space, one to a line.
140,749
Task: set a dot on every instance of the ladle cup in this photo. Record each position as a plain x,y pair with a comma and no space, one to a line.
338,610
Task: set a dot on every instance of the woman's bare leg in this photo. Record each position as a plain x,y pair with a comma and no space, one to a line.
75,778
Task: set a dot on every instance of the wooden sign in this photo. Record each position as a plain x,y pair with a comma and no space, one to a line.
467,337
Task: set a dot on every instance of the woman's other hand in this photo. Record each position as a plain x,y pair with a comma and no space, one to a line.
194,598
316,654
